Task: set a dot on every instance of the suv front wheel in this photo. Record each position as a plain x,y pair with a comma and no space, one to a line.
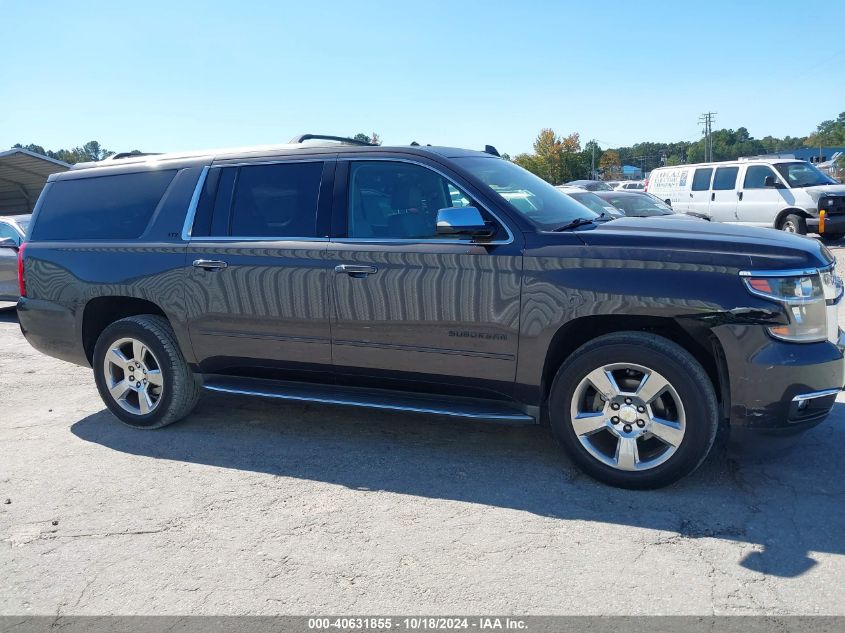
141,374
634,410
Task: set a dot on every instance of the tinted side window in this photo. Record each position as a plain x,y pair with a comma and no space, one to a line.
701,180
7,231
276,200
725,178
755,176
395,200
104,207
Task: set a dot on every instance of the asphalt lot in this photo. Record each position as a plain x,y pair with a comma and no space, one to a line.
266,508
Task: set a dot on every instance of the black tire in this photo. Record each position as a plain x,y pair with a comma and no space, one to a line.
181,388
794,223
687,377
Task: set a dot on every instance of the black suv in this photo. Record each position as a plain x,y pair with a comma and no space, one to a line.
432,280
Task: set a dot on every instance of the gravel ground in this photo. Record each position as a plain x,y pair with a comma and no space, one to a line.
267,508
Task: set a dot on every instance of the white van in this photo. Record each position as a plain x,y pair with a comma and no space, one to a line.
786,194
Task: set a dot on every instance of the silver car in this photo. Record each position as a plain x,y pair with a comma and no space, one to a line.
12,232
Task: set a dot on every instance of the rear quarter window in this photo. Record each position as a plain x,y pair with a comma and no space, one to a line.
103,207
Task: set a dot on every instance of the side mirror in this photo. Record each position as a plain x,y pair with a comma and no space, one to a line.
462,221
8,242
770,181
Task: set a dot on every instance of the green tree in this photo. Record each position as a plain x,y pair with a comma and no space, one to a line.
610,165
90,151
829,133
374,139
555,159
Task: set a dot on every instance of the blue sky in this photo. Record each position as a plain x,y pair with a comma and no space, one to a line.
165,76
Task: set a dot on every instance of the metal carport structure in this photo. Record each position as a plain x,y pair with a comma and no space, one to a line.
23,175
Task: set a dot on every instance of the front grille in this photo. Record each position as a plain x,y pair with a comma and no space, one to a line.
832,205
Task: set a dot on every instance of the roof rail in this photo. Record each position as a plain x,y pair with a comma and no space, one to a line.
323,137
120,155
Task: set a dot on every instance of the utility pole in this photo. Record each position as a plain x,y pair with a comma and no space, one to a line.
706,120
593,164
642,160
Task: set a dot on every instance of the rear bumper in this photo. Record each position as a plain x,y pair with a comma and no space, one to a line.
777,385
52,329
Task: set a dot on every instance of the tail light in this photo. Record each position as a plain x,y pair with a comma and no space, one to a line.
21,282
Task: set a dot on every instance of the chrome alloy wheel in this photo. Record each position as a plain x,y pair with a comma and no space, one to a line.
133,376
628,416
789,227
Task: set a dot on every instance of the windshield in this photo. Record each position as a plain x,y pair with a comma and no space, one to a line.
528,195
803,175
639,205
594,203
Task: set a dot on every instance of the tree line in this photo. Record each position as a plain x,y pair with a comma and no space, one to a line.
90,151
559,159
93,151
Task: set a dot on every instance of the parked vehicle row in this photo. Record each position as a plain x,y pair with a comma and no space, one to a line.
607,185
12,232
434,280
786,194
617,203
592,201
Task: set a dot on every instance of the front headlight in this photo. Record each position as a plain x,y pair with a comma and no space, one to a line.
804,295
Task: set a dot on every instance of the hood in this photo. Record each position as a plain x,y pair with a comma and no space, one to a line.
711,243
825,190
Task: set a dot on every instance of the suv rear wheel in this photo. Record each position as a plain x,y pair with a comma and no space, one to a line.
634,410
141,374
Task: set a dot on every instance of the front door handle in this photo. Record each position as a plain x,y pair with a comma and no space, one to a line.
712,197
739,194
209,264
354,270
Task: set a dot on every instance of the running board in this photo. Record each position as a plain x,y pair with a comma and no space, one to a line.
492,410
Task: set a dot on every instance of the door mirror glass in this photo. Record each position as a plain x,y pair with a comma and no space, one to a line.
8,242
462,221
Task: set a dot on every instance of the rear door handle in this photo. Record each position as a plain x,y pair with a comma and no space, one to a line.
354,270
739,194
209,264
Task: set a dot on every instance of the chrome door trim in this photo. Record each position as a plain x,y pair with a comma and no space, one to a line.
190,216
192,207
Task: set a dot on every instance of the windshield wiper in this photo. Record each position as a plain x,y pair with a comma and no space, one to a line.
575,223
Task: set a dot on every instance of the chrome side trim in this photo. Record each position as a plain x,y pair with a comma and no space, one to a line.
515,416
797,272
192,207
212,239
815,394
